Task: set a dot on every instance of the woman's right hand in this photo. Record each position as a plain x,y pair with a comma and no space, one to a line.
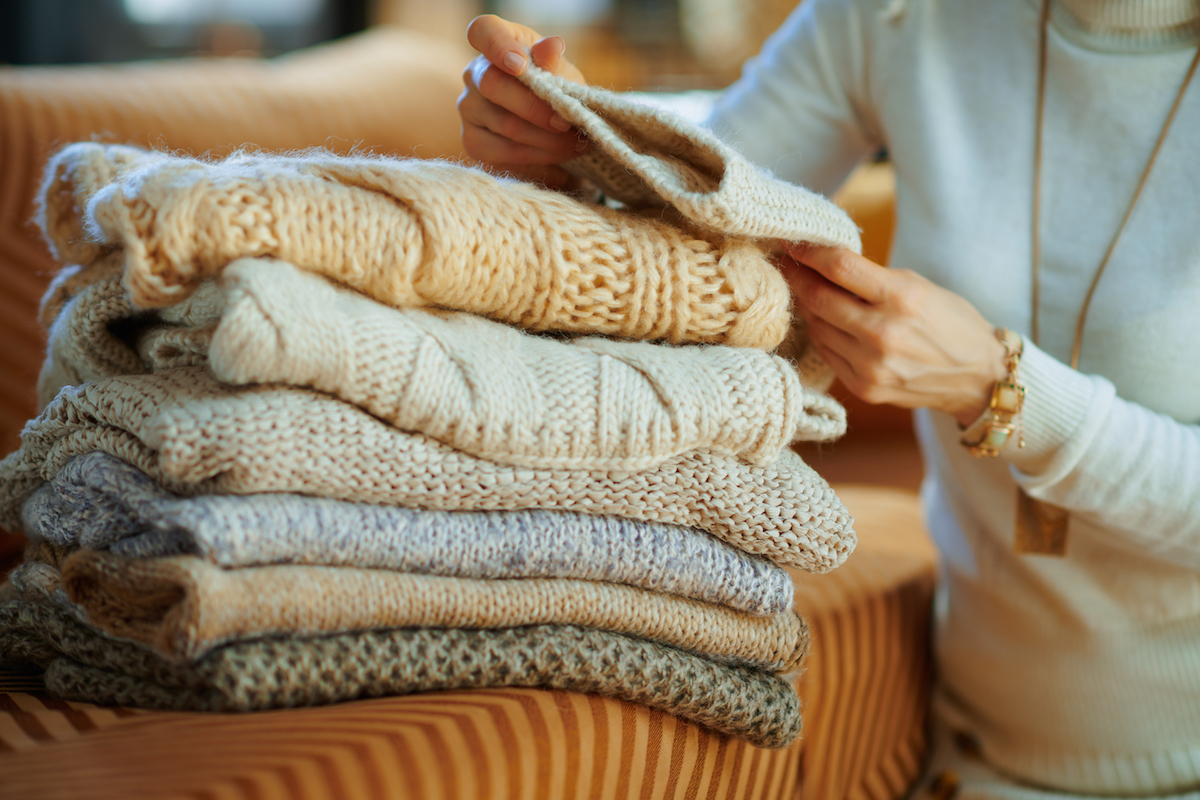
503,122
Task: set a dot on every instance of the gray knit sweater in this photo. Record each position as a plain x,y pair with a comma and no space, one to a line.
98,501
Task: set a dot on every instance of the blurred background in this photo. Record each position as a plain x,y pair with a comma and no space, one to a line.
668,45
646,45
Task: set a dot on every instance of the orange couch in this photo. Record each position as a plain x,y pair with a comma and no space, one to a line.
866,684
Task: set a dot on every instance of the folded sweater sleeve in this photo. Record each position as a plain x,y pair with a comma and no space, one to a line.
1131,470
803,107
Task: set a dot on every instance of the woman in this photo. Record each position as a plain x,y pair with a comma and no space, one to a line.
1047,165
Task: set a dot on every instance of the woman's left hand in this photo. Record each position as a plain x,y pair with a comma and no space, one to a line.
892,336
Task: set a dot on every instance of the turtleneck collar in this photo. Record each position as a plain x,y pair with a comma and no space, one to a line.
1128,26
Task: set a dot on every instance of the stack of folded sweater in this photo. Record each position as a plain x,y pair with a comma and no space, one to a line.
319,428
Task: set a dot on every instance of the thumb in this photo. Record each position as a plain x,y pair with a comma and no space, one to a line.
547,53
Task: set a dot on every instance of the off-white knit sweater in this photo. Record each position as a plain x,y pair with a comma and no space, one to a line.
481,386
1080,673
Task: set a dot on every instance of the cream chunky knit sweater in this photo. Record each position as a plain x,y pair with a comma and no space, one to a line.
423,232
412,233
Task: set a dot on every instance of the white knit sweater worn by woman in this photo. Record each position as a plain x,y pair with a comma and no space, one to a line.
1078,674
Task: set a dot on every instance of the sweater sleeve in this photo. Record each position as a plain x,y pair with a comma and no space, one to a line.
1130,470
802,107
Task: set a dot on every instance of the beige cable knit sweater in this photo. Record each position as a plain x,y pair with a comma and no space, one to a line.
93,330
184,606
197,436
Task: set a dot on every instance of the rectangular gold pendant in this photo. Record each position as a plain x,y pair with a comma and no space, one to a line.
1041,527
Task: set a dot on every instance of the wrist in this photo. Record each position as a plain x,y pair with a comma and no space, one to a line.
976,397
995,427
1061,406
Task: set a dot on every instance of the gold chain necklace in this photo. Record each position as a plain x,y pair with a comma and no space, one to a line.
1042,527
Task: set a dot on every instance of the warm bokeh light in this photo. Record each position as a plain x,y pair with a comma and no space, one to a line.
263,12
554,12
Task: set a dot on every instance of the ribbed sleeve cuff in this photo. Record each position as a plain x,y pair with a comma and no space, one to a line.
1057,399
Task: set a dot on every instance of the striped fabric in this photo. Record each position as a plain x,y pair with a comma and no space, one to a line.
489,744
867,678
360,93
864,691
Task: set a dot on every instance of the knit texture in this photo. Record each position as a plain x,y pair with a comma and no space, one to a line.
282,673
100,502
643,155
493,391
412,233
170,346
197,436
1147,26
77,312
480,386
184,606
93,330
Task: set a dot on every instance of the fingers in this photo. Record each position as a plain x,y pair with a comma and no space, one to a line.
819,298
825,307
857,275
501,42
485,145
832,341
508,93
842,368
494,134
503,121
506,47
548,54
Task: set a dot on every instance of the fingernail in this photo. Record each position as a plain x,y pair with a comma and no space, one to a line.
559,124
515,63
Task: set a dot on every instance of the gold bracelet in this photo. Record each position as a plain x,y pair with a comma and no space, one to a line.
986,436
